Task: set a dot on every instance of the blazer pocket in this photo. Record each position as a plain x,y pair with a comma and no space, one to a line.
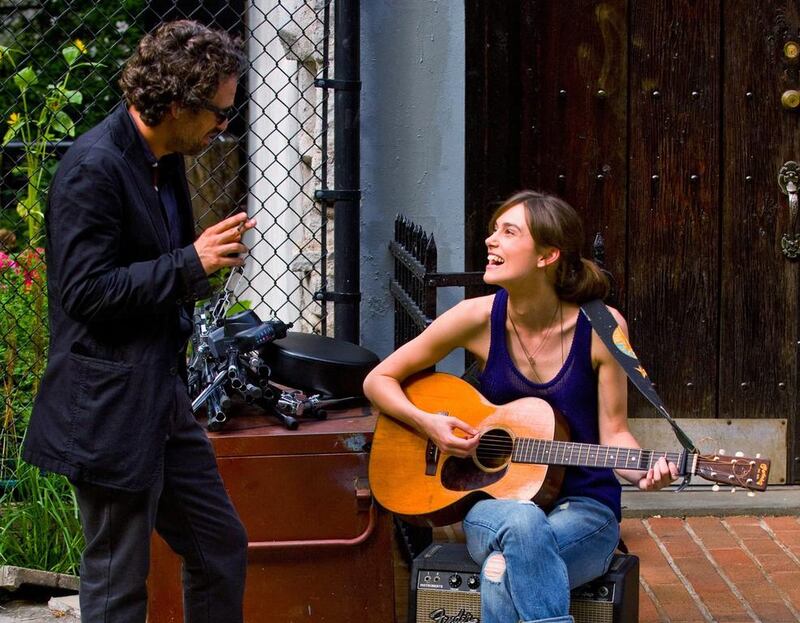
104,437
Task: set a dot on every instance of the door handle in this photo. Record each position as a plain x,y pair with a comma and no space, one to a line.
789,183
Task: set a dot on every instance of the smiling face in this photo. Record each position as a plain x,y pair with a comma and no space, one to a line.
512,252
194,131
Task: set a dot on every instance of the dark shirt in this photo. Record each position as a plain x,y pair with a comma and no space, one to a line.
166,193
573,391
165,187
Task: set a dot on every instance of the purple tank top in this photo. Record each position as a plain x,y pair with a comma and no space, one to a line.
573,391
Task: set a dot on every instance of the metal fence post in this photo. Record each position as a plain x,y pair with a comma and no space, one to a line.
346,173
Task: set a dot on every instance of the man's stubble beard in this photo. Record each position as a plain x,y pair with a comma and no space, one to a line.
190,146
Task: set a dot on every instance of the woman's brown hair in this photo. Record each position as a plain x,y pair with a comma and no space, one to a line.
555,223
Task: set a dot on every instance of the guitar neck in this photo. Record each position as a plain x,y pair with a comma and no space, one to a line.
547,452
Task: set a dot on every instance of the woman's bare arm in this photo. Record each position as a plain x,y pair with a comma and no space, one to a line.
464,326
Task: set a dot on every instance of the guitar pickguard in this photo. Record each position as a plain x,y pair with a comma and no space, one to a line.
463,475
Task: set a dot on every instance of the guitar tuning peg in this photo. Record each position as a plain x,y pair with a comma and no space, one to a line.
721,451
733,489
751,494
758,456
715,488
740,453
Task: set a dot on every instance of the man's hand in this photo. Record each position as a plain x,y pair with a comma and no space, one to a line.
441,428
221,245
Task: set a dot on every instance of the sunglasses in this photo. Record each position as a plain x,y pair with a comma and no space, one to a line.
222,114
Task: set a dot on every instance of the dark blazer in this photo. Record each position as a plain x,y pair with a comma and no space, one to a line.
114,291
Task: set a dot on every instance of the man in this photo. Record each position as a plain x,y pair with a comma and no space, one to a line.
113,413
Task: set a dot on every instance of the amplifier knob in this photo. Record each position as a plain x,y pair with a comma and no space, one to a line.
455,580
473,582
603,591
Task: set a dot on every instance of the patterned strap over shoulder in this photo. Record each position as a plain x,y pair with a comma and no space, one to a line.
617,343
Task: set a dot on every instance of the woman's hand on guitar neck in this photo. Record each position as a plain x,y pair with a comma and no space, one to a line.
661,475
441,428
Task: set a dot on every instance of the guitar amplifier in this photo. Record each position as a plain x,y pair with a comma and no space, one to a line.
445,586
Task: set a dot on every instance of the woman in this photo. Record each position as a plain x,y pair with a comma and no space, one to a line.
530,339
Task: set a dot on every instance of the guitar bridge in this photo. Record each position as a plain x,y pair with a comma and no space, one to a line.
431,458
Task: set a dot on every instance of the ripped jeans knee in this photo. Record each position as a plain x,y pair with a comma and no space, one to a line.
494,568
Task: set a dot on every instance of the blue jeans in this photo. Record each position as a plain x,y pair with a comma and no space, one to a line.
530,560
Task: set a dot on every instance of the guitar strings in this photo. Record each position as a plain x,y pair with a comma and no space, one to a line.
499,445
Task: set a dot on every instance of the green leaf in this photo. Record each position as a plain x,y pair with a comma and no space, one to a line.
63,124
238,307
7,53
71,53
13,129
89,64
25,78
72,97
29,207
9,135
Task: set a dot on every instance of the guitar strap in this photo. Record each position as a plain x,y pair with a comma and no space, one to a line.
613,337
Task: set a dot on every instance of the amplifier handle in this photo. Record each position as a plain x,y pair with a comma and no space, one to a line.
373,514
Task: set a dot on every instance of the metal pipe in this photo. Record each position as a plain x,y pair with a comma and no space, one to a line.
344,542
346,172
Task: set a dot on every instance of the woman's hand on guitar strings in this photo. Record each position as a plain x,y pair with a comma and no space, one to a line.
661,475
441,428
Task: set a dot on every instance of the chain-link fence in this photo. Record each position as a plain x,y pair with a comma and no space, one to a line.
59,64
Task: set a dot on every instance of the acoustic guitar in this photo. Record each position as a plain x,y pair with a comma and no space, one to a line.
523,450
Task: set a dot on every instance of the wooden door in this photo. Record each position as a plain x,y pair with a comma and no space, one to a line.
662,123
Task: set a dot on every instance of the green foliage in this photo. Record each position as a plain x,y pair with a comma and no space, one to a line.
113,28
239,306
100,37
39,522
39,121
23,344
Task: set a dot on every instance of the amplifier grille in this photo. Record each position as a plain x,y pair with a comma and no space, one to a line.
466,608
586,611
458,606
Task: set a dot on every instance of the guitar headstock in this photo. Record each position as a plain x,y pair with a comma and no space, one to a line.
734,471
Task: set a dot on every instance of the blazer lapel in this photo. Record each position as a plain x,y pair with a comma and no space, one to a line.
177,171
142,172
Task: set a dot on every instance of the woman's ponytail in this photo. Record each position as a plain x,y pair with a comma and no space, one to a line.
579,280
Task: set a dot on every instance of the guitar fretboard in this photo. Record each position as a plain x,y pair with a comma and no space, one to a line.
546,452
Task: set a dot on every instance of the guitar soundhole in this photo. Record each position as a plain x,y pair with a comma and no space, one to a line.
463,475
494,449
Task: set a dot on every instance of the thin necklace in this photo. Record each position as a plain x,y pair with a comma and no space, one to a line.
530,356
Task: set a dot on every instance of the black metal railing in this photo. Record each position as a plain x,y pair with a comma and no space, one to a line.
416,279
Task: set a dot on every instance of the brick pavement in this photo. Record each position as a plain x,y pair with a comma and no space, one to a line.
724,569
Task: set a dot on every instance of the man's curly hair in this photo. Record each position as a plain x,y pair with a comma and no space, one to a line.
181,61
